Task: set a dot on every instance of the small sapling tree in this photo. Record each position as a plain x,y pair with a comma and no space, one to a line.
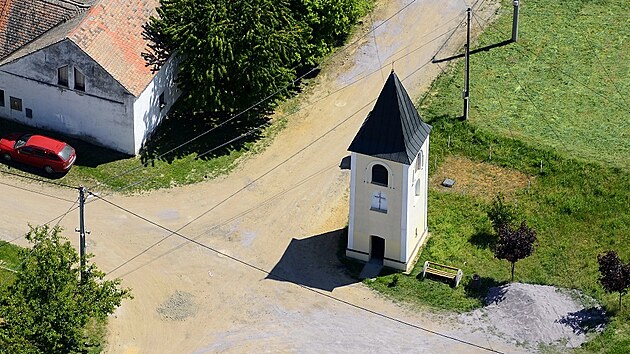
614,275
514,244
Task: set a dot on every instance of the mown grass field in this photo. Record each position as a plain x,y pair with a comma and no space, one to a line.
554,97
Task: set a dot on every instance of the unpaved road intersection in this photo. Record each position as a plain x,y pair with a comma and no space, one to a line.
279,211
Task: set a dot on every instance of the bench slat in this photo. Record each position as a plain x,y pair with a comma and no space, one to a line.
442,265
448,272
441,273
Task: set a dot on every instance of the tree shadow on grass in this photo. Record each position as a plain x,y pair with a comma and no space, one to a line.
483,239
184,133
487,290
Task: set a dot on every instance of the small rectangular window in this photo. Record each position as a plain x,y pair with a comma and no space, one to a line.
79,80
16,104
1,98
162,101
29,113
62,76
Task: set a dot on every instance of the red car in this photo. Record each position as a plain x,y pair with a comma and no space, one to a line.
39,151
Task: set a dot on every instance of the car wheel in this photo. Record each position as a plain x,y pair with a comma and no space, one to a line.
6,157
49,170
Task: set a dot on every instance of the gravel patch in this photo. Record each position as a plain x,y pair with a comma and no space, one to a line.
178,307
536,315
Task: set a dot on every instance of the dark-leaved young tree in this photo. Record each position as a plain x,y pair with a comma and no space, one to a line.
614,274
514,244
46,307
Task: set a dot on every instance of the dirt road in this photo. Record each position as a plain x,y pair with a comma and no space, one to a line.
278,211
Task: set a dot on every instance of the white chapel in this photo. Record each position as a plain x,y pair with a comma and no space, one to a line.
389,182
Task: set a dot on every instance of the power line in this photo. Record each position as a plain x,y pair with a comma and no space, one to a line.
268,273
35,192
264,99
608,75
269,171
39,180
243,213
263,125
259,102
35,246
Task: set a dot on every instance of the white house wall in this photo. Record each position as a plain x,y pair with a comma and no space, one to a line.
146,109
42,66
101,115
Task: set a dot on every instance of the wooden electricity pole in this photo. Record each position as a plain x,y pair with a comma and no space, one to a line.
81,230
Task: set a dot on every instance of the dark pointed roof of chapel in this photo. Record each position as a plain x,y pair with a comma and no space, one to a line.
393,130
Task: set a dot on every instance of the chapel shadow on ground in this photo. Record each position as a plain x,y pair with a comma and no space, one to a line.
313,262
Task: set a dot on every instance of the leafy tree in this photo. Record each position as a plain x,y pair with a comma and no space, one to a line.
614,275
329,22
46,308
514,244
232,53
500,213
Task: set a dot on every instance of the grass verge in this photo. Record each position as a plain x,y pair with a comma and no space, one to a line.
540,102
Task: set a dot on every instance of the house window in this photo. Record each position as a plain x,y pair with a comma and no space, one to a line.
1,98
379,202
29,113
79,80
62,76
379,175
162,101
16,104
418,187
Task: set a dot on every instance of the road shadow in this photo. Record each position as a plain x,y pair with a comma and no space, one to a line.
313,261
588,320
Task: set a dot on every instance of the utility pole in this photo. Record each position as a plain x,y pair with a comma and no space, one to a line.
515,21
466,92
81,230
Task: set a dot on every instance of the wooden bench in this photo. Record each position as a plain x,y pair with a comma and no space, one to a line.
444,271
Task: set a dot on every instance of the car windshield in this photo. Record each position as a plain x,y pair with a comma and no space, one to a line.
22,141
66,152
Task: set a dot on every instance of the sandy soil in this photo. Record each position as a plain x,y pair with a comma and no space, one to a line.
279,211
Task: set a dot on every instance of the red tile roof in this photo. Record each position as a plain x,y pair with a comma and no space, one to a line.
111,33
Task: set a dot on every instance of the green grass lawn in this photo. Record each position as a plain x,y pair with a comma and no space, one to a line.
166,161
9,259
554,97
564,83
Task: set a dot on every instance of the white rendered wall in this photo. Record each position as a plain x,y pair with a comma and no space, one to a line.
416,228
366,222
102,114
146,109
88,118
